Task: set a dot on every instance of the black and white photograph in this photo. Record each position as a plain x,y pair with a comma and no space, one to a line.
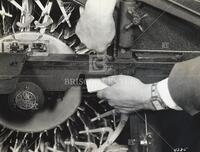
99,75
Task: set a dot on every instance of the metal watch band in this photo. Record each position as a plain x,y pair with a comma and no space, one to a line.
156,99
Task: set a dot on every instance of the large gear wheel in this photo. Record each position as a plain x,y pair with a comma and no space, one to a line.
34,121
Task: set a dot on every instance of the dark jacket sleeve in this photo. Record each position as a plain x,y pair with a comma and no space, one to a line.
184,85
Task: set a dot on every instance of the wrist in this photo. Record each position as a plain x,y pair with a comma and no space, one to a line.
147,97
152,99
156,99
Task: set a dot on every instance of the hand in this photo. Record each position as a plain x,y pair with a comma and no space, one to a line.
126,93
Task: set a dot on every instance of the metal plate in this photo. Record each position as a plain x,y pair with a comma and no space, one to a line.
55,46
191,5
48,118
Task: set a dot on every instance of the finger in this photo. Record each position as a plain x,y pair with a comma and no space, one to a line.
125,110
105,93
112,104
100,94
110,80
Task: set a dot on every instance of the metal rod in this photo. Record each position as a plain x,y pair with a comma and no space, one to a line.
164,51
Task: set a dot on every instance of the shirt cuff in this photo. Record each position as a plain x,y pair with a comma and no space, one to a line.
163,90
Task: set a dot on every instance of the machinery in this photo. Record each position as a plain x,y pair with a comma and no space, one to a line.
43,65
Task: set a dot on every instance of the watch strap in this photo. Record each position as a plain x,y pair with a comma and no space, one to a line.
156,100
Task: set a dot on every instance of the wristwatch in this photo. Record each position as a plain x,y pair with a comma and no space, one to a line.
156,100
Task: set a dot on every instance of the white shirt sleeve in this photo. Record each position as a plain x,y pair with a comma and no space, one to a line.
163,90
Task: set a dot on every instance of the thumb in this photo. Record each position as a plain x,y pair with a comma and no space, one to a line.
110,80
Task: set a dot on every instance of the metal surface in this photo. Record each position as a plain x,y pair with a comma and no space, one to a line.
45,119
81,123
174,10
55,46
26,100
50,49
190,5
10,68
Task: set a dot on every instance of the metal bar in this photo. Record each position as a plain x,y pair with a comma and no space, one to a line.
39,4
164,51
16,4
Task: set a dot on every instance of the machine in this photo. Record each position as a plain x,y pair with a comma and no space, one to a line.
45,105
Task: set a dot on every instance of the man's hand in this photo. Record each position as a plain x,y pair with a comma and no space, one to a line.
127,93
